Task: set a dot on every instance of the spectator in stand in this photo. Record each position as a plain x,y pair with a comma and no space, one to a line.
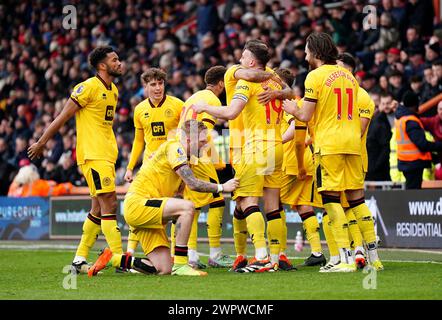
413,149
378,141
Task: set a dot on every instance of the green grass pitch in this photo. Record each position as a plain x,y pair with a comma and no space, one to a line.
37,273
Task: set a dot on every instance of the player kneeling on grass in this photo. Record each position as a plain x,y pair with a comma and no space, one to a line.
149,205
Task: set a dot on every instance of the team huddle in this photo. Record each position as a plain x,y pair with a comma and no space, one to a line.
304,152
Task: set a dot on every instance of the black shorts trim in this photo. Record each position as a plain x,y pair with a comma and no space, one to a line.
96,178
155,203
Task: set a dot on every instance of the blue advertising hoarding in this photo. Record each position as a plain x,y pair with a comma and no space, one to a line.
24,218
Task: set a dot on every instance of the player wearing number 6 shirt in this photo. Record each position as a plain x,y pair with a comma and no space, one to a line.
330,94
94,102
259,171
203,168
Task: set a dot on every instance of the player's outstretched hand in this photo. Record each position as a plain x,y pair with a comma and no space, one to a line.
231,185
128,177
35,150
199,107
290,106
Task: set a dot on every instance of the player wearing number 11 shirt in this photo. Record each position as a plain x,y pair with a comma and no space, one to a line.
330,98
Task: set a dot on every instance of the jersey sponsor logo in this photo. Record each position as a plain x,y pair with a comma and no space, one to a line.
308,90
242,88
106,181
109,113
104,96
158,129
168,113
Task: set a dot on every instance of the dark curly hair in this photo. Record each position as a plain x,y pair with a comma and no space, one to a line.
322,47
99,54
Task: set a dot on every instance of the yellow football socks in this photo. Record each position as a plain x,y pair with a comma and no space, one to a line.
215,224
311,229
112,232
256,229
239,232
274,233
91,230
354,233
329,238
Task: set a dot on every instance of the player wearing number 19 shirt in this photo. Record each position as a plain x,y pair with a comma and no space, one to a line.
330,94
259,171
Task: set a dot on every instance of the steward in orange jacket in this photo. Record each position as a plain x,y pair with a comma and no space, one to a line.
413,149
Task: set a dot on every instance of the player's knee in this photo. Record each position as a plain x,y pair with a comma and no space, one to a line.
188,207
164,269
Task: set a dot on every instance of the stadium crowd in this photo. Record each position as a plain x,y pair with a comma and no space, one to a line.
398,46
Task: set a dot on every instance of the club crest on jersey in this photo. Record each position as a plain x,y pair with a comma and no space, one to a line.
168,113
104,96
146,115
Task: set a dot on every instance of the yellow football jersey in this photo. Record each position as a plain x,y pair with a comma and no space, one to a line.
188,113
235,126
157,122
157,176
366,108
290,162
95,136
261,122
335,91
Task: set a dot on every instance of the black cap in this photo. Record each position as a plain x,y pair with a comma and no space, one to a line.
410,99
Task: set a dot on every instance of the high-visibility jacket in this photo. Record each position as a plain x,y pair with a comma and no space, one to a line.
406,149
39,188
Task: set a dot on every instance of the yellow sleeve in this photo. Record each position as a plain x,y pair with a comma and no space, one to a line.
137,148
311,87
82,93
137,122
208,119
176,156
229,76
243,90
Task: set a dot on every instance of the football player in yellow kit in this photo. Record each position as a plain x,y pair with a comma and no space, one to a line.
150,203
156,119
360,221
330,95
93,102
259,170
204,168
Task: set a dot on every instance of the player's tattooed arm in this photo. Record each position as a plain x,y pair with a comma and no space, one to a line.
193,183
